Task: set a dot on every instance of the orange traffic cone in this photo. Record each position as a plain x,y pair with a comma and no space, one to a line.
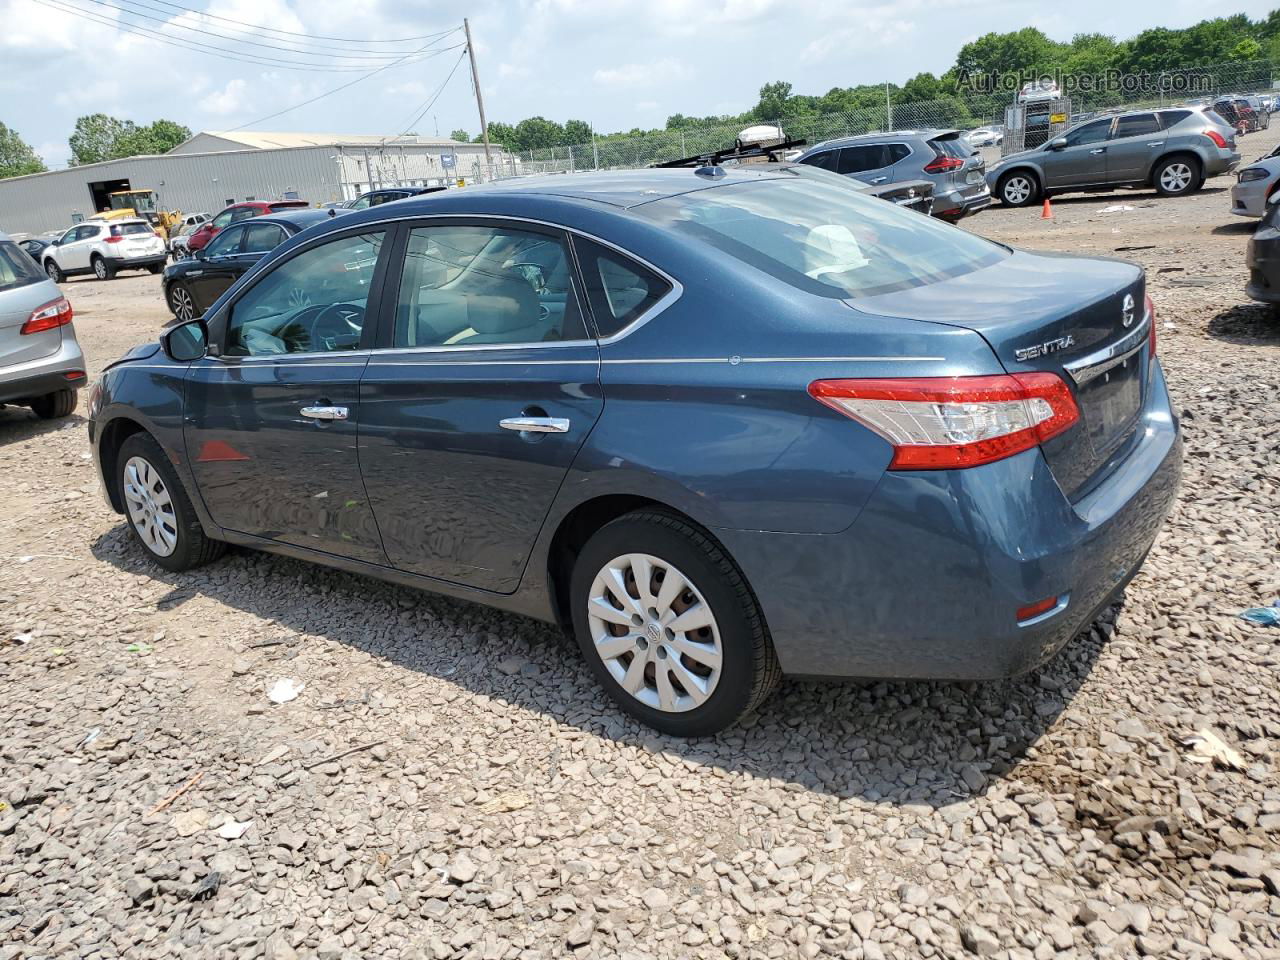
1046,212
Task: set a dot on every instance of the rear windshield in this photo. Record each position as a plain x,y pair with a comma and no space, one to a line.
130,229
952,147
16,268
825,238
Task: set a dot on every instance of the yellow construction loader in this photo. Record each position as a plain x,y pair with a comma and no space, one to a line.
145,204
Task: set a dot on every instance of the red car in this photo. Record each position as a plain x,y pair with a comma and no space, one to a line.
235,213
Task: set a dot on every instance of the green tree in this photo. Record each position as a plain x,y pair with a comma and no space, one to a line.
95,137
17,159
460,135
1027,49
1247,49
537,133
576,131
164,135
503,134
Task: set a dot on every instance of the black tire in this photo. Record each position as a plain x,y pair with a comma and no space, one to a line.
181,304
54,405
1176,176
749,668
102,269
54,272
155,267
191,548
1012,197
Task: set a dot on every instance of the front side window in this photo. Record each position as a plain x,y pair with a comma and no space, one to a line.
311,303
261,237
824,238
468,285
226,243
1094,132
618,289
222,219
362,203
1138,125
825,160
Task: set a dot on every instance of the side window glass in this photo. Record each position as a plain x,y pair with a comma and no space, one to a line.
1094,132
311,303
861,159
898,151
469,285
1171,117
244,213
261,237
826,160
619,290
361,204
222,219
225,243
1136,126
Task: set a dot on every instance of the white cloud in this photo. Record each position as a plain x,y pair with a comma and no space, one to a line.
228,100
631,75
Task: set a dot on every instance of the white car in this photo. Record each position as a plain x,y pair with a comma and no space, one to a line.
180,241
984,137
103,248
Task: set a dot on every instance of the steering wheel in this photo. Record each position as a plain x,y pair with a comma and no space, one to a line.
335,321
533,273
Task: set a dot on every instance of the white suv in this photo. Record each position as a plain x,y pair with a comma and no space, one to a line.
103,247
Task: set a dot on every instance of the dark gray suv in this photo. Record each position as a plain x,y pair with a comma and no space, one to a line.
943,157
1173,150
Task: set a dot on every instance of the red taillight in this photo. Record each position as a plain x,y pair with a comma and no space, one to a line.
943,164
115,239
1151,335
55,313
946,423
1217,138
1033,610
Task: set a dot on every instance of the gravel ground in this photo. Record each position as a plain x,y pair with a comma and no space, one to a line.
450,783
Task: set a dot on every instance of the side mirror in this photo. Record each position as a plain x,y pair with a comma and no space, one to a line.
186,342
198,254
1059,144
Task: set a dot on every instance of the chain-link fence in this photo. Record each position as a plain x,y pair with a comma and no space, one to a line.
983,105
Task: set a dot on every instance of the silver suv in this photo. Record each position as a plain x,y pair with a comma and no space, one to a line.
943,157
41,365
1173,150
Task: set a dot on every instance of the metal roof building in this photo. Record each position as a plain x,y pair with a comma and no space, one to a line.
213,169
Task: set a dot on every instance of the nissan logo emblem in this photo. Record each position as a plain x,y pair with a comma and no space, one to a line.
1126,312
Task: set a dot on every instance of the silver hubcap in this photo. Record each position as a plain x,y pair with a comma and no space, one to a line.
150,507
100,269
655,633
183,308
52,271
1176,177
1017,189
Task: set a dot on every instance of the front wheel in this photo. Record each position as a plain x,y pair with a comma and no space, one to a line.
181,302
160,514
155,267
669,625
1018,189
1176,176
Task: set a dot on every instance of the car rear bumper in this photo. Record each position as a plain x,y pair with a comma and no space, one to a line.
926,583
955,204
36,378
1221,160
130,263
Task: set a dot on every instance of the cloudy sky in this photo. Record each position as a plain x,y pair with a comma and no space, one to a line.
614,63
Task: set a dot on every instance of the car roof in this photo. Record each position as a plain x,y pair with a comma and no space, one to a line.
302,217
857,138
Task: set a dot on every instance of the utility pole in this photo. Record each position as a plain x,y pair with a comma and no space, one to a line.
475,80
888,107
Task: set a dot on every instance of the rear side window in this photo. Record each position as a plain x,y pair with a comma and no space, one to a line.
898,151
1171,117
244,213
824,238
16,268
1138,125
130,229
261,237
619,290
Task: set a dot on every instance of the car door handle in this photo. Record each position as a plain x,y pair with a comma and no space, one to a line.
1099,150
535,424
879,179
1156,143
324,413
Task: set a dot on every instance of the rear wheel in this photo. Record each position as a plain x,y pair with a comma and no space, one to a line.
155,267
51,406
669,625
103,270
160,514
54,271
181,303
1175,176
1018,189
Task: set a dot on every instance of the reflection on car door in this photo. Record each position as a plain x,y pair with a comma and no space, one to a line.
484,387
1083,161
271,420
1135,143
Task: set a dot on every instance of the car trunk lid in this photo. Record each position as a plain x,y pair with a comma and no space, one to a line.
1082,319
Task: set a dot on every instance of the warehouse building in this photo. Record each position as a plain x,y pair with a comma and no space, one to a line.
213,169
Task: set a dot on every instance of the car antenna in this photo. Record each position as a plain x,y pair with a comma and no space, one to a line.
709,164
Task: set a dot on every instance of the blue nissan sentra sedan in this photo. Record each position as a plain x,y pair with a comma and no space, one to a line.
723,425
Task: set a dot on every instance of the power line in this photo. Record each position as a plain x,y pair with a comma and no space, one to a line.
329,52
352,83
222,52
290,33
435,96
